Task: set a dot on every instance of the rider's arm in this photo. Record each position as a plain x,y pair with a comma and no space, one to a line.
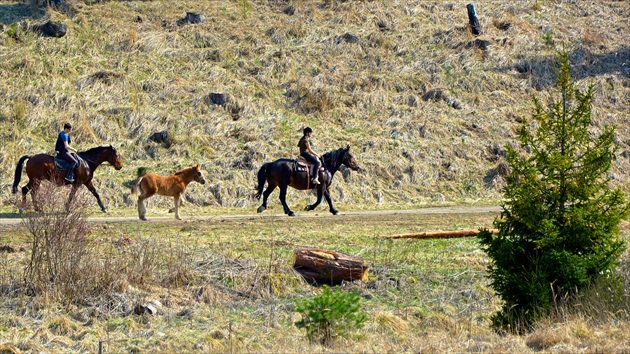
65,143
308,147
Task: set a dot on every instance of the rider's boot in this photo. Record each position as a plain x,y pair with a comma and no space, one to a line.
69,177
315,180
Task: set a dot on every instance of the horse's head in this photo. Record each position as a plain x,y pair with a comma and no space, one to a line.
349,161
198,177
114,159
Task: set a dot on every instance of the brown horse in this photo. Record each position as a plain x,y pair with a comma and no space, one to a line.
283,173
172,186
42,167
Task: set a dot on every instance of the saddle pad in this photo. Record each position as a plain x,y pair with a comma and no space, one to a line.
62,164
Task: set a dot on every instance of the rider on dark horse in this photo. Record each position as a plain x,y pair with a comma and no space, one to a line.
63,148
311,156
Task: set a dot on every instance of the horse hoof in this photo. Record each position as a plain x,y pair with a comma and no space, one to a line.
308,208
104,211
291,214
334,212
261,209
143,218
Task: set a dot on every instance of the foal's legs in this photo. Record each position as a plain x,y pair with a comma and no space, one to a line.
178,201
266,193
142,210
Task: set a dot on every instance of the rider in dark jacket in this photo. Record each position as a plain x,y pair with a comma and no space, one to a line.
311,156
63,148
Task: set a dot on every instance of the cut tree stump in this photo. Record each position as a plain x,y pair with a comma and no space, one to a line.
441,234
328,267
473,21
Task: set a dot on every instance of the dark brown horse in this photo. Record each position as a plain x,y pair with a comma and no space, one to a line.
42,167
170,186
284,173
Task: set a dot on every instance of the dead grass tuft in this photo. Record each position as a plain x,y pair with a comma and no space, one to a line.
547,338
391,321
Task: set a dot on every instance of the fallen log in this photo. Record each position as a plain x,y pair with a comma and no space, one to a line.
328,267
441,234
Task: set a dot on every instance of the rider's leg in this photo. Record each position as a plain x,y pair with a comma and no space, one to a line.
312,159
72,163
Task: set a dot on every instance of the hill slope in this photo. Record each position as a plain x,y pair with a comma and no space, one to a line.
426,107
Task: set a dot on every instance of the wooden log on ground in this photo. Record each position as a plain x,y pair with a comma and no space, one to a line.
441,234
328,267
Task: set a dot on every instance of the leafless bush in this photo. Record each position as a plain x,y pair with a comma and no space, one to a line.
67,266
177,267
58,244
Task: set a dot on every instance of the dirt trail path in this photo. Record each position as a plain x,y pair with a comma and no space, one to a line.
15,219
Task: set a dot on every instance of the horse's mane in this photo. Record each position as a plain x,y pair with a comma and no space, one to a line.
333,156
93,152
183,171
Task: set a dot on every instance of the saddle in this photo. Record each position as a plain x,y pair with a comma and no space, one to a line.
301,165
62,164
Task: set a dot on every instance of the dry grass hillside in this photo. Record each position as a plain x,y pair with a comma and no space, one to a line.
426,107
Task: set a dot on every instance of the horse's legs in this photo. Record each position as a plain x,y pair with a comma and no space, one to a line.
283,199
181,202
73,192
330,204
319,198
266,194
92,189
27,188
34,188
142,209
178,202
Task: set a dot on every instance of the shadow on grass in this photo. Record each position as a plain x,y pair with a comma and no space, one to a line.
541,70
9,215
14,13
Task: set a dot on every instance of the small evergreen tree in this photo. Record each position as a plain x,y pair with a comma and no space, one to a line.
330,314
558,229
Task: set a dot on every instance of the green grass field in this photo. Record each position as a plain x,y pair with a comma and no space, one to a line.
227,285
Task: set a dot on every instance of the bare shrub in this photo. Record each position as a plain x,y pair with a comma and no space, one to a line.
59,245
177,267
67,266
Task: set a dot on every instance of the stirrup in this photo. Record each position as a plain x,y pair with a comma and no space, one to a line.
315,181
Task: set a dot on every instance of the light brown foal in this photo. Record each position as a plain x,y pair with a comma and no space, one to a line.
172,186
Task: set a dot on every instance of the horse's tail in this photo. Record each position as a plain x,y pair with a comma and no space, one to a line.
262,178
18,173
135,184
